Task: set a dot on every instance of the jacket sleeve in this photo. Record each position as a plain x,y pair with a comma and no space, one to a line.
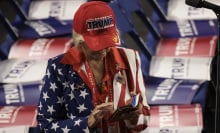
140,87
52,110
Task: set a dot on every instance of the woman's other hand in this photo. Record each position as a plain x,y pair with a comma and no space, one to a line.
99,112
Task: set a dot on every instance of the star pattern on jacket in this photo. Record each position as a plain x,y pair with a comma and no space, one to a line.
45,96
83,94
81,108
53,86
55,126
66,91
77,122
65,130
60,100
50,109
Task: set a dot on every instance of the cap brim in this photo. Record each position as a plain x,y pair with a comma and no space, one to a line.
102,41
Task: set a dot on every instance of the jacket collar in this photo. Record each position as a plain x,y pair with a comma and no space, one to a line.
75,58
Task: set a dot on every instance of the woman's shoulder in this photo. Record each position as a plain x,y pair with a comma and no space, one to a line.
56,62
56,59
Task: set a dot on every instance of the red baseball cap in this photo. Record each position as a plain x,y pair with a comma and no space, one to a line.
95,21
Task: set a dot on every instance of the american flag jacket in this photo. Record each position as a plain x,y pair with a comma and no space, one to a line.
66,99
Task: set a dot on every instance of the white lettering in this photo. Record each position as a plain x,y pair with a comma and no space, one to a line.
166,116
178,68
39,47
163,90
194,11
19,69
185,28
183,46
11,94
55,9
41,28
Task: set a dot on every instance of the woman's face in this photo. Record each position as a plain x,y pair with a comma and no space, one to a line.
93,55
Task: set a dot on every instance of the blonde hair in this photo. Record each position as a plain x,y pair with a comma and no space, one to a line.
77,38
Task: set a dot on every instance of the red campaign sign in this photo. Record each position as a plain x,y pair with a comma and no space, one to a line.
195,46
39,48
176,116
18,116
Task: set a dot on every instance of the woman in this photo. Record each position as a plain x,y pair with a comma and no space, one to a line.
84,86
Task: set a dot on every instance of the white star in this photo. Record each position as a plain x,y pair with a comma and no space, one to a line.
54,66
50,119
50,109
60,100
81,108
83,93
53,86
54,126
40,114
72,74
60,72
86,130
58,79
69,71
40,106
39,124
72,116
65,85
66,107
71,95
45,96
48,73
65,130
45,130
72,86
77,122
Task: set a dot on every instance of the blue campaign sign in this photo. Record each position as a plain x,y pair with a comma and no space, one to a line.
188,28
48,27
171,91
20,94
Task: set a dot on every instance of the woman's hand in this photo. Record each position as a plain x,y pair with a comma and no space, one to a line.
131,118
99,112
